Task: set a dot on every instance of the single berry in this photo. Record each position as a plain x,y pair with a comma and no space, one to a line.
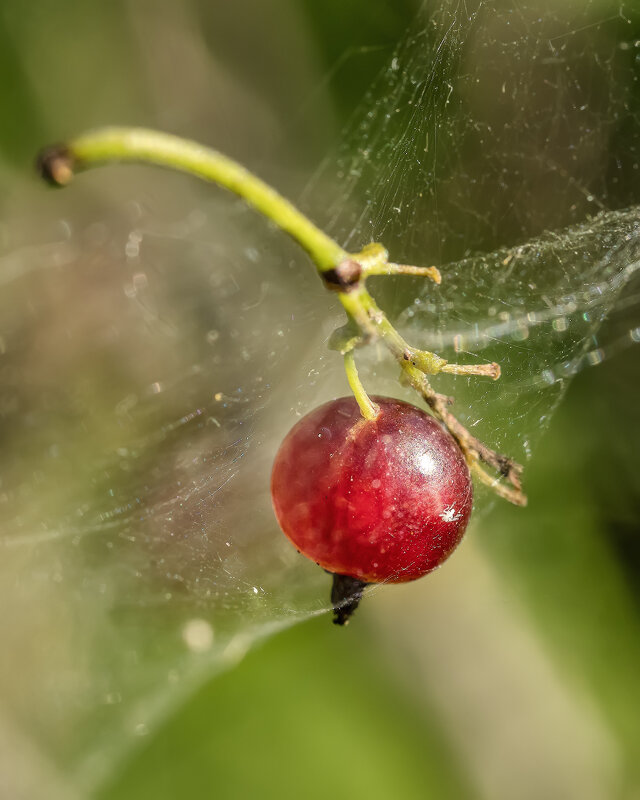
371,501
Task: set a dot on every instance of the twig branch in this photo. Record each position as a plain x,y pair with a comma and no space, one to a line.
342,272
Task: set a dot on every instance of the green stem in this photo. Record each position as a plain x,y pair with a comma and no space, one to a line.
138,144
344,273
368,408
360,305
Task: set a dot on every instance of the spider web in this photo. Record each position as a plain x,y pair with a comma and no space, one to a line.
140,552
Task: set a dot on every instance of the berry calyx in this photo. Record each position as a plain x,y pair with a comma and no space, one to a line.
371,500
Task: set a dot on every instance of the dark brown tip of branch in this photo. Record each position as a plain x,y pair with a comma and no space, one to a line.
343,277
346,594
55,164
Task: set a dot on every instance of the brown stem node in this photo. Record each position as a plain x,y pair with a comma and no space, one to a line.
56,165
343,277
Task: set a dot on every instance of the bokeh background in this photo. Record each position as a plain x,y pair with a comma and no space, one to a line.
157,340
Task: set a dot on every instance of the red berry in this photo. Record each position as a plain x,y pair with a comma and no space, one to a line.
374,500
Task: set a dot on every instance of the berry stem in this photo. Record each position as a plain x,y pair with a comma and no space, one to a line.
343,272
368,408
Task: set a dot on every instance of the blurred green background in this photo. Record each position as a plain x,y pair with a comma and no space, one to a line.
511,673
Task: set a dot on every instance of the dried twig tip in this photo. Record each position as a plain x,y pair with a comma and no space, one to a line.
434,274
405,269
485,370
55,164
